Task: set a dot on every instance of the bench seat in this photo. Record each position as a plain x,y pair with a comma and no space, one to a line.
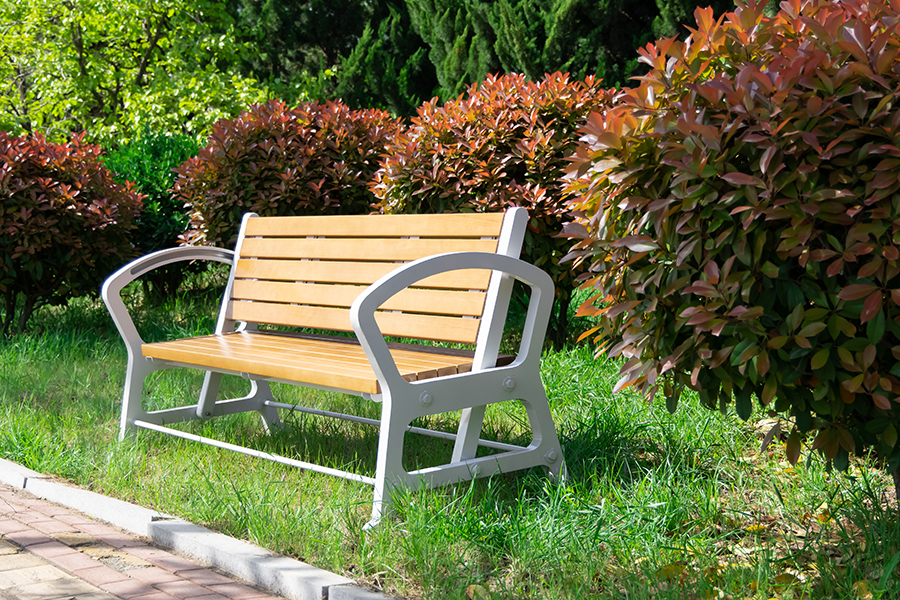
328,362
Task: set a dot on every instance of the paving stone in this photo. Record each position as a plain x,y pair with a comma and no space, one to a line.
8,525
129,588
19,561
163,559
52,526
236,591
100,575
204,577
182,589
153,575
40,573
50,548
28,537
154,596
8,548
73,561
51,590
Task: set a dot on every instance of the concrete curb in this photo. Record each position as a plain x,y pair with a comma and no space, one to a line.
276,574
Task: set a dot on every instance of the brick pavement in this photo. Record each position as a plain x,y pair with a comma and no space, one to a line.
48,552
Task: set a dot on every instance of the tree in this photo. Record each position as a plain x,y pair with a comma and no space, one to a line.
291,44
112,68
389,67
460,38
470,38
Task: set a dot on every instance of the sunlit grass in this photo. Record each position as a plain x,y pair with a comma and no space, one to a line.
656,505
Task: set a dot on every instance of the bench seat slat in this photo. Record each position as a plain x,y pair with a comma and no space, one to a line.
359,249
426,327
446,302
362,273
446,225
300,358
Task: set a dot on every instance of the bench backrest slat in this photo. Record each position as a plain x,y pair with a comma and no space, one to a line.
307,271
360,273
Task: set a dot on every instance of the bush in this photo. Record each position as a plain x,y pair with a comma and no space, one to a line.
272,160
149,161
741,210
66,224
504,144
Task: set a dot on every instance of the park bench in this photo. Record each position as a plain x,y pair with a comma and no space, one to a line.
444,278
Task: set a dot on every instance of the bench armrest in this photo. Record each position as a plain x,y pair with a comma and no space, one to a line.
362,312
112,287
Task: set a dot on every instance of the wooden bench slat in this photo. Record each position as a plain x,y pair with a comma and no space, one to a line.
297,357
359,249
447,302
445,225
425,327
363,273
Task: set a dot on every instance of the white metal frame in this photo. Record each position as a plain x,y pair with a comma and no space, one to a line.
402,401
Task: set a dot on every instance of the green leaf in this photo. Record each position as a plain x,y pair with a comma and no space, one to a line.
889,435
792,447
743,401
875,328
819,359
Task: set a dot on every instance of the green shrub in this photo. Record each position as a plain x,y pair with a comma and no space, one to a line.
149,162
65,223
503,144
742,214
272,160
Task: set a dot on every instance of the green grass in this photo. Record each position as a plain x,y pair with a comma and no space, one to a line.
656,505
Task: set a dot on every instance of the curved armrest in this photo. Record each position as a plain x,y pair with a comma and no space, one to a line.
112,287
362,311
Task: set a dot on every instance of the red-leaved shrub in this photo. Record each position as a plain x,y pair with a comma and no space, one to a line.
502,144
741,211
276,161
64,224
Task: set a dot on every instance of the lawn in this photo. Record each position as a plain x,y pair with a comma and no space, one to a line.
657,505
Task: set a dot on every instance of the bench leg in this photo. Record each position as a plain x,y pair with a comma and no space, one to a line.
262,391
545,436
132,409
468,434
389,471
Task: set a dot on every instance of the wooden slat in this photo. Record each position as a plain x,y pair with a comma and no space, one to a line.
445,225
444,302
363,273
426,327
306,359
357,249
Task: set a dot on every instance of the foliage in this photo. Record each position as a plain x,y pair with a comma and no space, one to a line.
290,44
460,39
149,162
471,38
504,144
66,224
741,209
389,67
272,160
114,69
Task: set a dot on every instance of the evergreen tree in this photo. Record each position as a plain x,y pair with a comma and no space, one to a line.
389,67
291,41
470,38
461,41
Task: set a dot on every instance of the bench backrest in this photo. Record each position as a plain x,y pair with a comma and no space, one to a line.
307,271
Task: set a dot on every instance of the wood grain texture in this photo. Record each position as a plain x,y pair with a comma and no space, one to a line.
317,360
444,225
